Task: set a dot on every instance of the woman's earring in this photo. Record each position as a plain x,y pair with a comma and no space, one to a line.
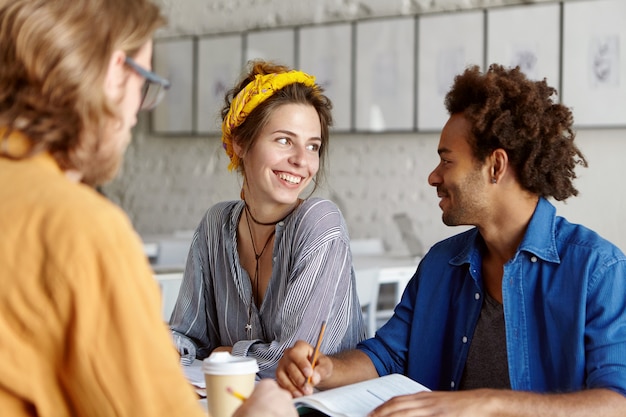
494,180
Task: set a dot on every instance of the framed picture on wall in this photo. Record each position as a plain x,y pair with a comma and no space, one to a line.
220,63
332,67
528,37
594,62
277,45
385,80
442,54
174,60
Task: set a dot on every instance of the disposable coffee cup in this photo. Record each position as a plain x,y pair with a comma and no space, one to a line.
222,371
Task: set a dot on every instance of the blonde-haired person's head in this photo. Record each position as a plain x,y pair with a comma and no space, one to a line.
54,55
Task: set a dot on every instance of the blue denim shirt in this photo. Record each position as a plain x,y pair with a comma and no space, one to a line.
564,297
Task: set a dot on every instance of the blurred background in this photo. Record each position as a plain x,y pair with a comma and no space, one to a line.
374,173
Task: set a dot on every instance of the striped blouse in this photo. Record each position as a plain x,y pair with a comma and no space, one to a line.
312,281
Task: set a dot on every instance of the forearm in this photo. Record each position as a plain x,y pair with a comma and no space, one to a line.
191,339
191,317
331,299
593,402
337,336
347,368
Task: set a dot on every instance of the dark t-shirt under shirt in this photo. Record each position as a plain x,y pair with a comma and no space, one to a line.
487,365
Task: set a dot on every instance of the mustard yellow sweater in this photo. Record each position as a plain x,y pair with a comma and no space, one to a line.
80,326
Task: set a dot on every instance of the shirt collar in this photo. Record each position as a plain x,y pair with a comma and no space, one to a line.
535,241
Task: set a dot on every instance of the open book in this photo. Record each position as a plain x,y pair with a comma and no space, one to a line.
357,400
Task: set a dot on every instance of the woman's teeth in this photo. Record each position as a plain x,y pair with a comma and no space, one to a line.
290,178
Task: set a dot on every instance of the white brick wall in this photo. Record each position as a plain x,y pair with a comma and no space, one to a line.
217,16
168,183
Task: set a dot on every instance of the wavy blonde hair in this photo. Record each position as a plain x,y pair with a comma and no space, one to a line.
53,55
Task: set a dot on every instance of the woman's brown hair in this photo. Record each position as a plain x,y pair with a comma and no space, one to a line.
297,93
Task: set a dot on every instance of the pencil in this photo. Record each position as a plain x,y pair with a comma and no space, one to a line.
236,394
317,349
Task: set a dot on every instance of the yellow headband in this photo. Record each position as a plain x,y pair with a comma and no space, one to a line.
253,94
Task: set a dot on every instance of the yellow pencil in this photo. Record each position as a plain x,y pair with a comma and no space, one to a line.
236,394
317,349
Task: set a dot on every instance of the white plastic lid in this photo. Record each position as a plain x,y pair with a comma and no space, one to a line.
223,363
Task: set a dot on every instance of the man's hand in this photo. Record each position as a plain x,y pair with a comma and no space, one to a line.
228,349
449,404
499,402
267,400
295,368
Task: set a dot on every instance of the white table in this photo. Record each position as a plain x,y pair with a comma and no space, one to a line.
392,269
169,249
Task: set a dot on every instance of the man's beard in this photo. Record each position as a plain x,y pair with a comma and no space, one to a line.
104,164
467,206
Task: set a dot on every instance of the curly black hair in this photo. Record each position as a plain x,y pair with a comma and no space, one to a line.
508,111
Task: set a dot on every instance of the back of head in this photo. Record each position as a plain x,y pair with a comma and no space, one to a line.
508,111
300,88
54,56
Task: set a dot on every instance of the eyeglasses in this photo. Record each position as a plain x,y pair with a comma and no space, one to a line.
153,88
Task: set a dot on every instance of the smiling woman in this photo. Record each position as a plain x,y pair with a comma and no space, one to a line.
267,270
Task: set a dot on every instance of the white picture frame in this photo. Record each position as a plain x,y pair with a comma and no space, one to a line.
332,67
174,60
276,45
442,54
220,64
527,36
385,75
594,62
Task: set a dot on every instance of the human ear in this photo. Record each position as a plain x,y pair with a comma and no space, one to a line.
237,148
499,163
115,76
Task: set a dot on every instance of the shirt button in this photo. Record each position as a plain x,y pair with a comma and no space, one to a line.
452,384
477,296
281,223
464,339
533,259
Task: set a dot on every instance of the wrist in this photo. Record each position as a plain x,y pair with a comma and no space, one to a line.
494,402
